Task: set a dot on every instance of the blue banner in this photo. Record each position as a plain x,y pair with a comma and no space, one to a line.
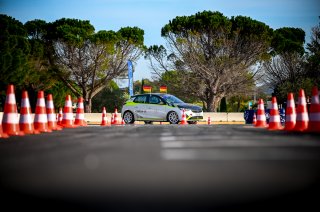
130,76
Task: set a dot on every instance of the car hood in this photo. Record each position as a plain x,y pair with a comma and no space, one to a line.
194,108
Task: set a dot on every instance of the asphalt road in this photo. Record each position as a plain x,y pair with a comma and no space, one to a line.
161,168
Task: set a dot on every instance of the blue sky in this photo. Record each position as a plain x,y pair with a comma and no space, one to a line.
152,15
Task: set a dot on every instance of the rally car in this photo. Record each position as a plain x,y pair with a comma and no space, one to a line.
159,107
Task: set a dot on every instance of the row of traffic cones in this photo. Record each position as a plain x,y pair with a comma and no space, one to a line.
297,119
44,118
115,118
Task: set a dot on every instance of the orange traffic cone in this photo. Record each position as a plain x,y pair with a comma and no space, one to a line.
67,118
104,121
209,120
254,119
79,120
60,115
291,115
314,123
52,121
122,122
10,120
40,117
115,118
183,119
25,121
2,134
261,116
274,122
302,113
112,119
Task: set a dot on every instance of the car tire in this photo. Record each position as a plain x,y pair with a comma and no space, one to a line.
192,122
128,117
173,117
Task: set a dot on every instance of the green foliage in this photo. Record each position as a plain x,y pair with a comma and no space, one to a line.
133,35
282,90
156,51
141,87
110,97
104,36
37,29
14,48
173,81
237,103
313,65
73,31
248,28
214,53
288,40
200,22
223,105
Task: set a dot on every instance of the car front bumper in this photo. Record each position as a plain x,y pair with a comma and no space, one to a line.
194,116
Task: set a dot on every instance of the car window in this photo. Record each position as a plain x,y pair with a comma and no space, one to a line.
140,99
155,100
132,98
172,99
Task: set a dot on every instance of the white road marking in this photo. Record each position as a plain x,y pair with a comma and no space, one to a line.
229,154
174,144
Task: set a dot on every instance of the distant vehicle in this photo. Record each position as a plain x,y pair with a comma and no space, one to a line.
159,107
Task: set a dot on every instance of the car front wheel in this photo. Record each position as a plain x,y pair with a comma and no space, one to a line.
173,117
128,117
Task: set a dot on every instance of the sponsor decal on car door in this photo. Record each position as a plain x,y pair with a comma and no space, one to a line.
156,108
140,108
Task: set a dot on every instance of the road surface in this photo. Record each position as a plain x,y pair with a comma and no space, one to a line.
161,168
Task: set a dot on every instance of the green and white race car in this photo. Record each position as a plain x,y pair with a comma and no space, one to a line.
159,107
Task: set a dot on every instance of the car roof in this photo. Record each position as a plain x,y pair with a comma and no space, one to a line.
159,94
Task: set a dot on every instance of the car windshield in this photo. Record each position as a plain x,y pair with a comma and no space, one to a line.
172,99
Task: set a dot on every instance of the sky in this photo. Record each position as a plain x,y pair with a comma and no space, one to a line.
152,15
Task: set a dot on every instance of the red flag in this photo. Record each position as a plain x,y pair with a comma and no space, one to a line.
147,88
163,89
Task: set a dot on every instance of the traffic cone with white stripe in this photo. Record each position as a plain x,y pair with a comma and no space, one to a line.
314,123
40,117
115,118
184,118
79,120
261,116
112,119
209,120
274,122
302,113
104,121
291,115
25,122
67,118
51,115
60,115
10,120
254,121
2,134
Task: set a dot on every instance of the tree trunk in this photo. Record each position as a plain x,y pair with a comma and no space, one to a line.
239,104
87,101
213,103
87,105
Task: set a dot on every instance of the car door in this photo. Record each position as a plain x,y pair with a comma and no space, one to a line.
156,108
139,108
